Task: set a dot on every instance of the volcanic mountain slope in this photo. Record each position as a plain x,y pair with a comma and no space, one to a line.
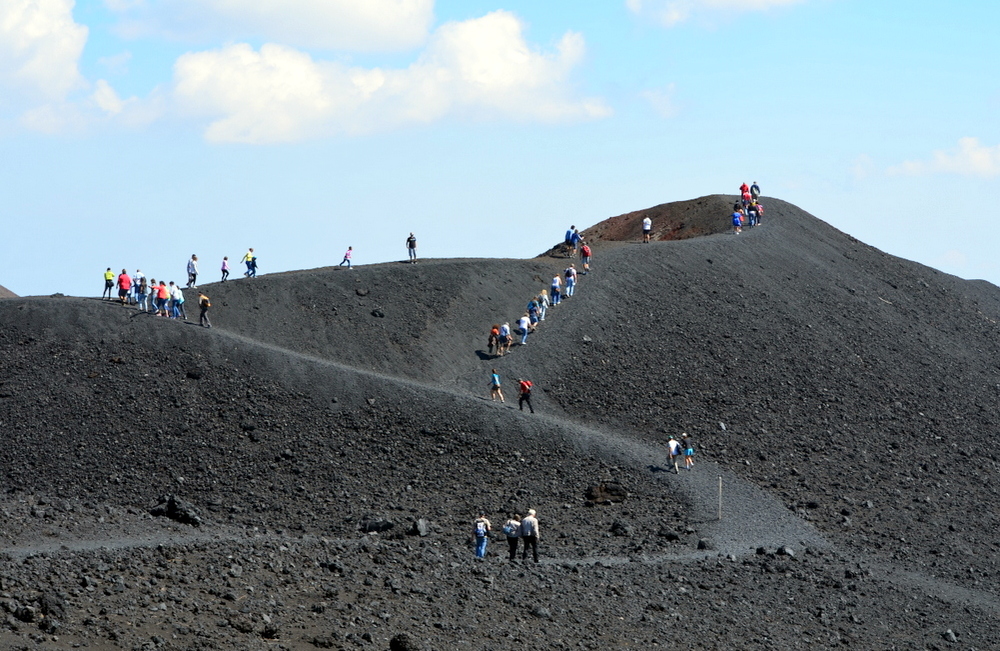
857,393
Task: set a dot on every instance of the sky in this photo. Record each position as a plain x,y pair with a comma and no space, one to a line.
137,132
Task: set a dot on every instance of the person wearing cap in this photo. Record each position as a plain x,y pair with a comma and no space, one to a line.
529,534
687,445
481,530
674,451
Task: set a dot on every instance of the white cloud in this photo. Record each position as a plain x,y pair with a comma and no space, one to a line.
481,68
40,46
969,159
662,101
359,25
671,12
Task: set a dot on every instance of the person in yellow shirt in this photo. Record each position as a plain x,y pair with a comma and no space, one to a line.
248,259
109,283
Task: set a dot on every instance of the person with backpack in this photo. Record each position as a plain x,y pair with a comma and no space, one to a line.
481,530
504,340
543,304
752,214
755,191
524,389
529,533
570,280
493,341
141,291
512,529
556,285
495,391
673,451
204,304
585,257
737,222
138,280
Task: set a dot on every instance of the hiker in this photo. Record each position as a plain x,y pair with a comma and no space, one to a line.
687,445
647,228
192,272
737,222
204,304
529,532
585,257
124,285
512,529
543,304
493,341
141,293
556,284
744,188
225,268
162,296
481,529
253,267
570,280
137,283
109,283
575,240
248,259
533,313
745,199
505,338
524,388
568,242
755,191
411,248
673,451
524,323
495,391
347,257
760,212
177,302
752,214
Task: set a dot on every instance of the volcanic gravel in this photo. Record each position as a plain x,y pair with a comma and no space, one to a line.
305,474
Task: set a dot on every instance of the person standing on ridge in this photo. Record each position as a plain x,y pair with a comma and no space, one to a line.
673,451
481,529
253,267
687,445
136,283
575,240
248,259
411,248
347,257
162,298
524,387
124,286
192,270
744,188
225,268
647,228
585,257
755,191
495,391
203,305
512,529
142,294
568,242
529,532
109,283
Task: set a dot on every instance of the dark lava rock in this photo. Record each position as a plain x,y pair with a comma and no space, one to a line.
705,543
376,526
402,642
606,493
168,506
420,528
619,528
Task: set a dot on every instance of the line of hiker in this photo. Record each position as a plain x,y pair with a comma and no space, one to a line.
748,209
517,532
160,299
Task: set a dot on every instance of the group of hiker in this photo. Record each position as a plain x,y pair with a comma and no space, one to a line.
517,531
747,210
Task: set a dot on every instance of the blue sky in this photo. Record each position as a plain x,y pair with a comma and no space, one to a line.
138,132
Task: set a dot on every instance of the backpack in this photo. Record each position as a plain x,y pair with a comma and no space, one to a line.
480,529
511,530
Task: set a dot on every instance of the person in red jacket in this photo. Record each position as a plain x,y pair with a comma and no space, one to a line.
585,257
124,285
524,386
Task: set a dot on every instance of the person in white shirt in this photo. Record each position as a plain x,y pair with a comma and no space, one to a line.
647,226
192,271
529,534
523,323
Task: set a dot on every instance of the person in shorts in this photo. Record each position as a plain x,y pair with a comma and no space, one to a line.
647,228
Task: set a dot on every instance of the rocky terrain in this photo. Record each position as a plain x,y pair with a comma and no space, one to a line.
305,474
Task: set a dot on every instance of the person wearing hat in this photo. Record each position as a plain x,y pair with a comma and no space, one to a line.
529,534
481,530
688,446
